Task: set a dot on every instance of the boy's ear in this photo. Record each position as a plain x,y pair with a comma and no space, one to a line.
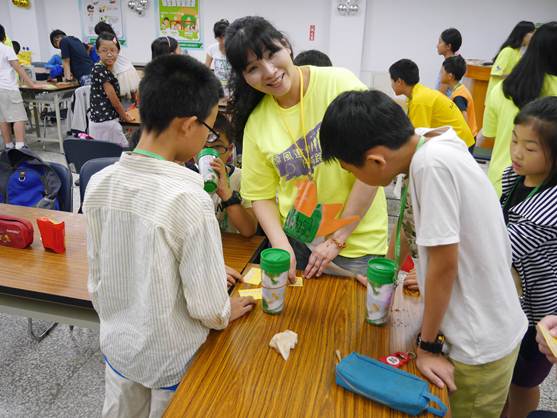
375,158
187,124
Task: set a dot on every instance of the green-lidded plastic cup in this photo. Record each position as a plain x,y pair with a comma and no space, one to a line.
210,178
380,289
275,260
381,271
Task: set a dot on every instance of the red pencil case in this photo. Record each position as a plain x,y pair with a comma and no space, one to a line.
52,234
15,232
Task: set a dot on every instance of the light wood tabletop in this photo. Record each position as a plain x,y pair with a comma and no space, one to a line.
237,374
37,273
50,87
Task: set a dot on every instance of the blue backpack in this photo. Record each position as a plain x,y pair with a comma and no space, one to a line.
26,180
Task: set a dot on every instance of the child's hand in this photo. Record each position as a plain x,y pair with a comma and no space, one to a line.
549,322
128,118
411,281
239,306
232,276
223,188
437,369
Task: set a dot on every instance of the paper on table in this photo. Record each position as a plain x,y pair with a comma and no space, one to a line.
254,277
283,342
299,282
254,293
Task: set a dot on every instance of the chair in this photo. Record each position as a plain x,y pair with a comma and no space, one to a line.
90,168
79,151
65,198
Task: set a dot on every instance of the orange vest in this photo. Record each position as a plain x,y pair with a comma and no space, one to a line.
470,111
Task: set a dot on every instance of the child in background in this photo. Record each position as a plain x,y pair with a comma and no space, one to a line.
77,63
163,46
471,307
11,102
510,53
452,72
105,92
427,107
159,293
216,57
233,213
313,57
529,202
448,45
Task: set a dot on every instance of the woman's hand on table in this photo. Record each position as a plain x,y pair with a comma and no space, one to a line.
232,276
239,306
320,258
437,369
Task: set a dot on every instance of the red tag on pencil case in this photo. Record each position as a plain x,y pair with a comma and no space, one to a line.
52,234
15,232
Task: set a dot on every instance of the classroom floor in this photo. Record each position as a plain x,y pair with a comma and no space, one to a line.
63,375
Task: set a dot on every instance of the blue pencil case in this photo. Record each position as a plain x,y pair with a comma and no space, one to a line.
387,385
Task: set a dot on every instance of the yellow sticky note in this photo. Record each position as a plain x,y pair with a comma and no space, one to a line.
299,282
549,339
254,293
253,276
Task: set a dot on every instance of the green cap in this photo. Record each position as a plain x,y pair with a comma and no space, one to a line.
275,260
208,151
210,186
381,271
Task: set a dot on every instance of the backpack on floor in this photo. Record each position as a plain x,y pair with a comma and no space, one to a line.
27,180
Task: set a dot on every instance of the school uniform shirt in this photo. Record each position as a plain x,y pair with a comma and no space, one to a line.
432,109
80,62
234,177
220,65
8,77
272,164
504,63
498,123
453,203
156,267
101,108
532,226
463,99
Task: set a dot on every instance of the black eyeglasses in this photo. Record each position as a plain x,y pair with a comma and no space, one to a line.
213,135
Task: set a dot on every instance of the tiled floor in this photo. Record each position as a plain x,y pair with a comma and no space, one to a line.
62,376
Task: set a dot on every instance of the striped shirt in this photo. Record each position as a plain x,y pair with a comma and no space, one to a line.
532,229
156,268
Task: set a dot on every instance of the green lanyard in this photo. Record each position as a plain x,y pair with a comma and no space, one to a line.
516,183
148,154
403,199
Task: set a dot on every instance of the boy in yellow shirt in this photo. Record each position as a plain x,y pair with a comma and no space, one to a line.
427,108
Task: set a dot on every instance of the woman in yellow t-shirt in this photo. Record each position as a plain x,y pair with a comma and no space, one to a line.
510,52
277,109
534,76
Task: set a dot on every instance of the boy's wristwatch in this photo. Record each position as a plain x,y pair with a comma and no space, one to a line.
434,347
235,199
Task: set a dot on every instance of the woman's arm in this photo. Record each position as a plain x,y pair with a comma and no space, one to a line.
208,60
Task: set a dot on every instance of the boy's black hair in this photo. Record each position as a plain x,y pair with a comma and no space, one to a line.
2,34
313,57
223,126
517,35
541,116
163,46
219,28
103,27
357,121
453,38
406,70
17,47
107,36
176,86
455,65
525,82
55,34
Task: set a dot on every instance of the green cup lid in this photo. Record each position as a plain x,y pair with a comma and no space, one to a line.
208,151
381,271
275,260
210,186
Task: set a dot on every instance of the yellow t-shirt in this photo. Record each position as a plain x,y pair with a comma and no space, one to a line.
429,108
503,65
498,123
272,164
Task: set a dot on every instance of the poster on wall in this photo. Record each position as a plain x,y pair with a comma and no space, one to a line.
95,11
180,19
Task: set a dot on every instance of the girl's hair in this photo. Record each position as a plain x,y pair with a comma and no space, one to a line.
163,46
219,28
517,35
255,34
107,36
2,34
525,81
541,116
103,27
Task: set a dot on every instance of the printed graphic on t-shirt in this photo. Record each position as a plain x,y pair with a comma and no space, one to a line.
291,163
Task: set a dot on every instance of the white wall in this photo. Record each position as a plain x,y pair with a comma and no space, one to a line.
410,29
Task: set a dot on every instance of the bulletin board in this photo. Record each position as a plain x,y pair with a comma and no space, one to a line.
180,19
95,11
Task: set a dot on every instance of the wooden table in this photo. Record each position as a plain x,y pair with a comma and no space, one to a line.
237,374
479,78
41,284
